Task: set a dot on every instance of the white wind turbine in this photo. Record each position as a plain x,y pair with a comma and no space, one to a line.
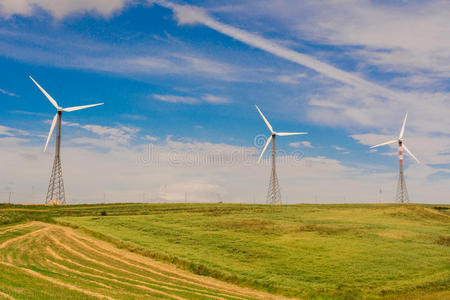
273,193
402,193
55,193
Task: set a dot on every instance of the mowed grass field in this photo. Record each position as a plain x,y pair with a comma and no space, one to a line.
46,261
306,251
159,251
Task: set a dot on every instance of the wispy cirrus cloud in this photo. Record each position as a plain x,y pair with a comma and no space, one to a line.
109,136
12,132
300,144
61,8
410,36
176,99
188,15
215,99
82,53
208,98
5,92
291,79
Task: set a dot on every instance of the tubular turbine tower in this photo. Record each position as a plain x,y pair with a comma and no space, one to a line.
55,192
273,192
402,192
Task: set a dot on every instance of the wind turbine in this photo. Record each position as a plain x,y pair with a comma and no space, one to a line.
273,193
55,193
402,193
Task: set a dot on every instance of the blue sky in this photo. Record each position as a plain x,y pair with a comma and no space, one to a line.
184,77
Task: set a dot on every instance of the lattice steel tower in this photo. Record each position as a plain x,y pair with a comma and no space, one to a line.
402,192
273,193
55,193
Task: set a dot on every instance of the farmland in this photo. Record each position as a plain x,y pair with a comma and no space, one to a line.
302,251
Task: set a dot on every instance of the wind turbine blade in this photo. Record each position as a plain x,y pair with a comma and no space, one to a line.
403,127
55,118
45,93
265,147
264,118
387,143
409,152
74,108
290,133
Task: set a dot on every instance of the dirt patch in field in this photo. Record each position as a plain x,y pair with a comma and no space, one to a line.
249,226
397,234
443,240
323,229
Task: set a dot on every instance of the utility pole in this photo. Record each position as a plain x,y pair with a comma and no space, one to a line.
380,195
10,197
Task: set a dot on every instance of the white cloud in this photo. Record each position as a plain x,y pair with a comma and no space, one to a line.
110,137
175,63
176,99
8,131
307,144
215,99
291,79
134,117
61,8
338,148
299,144
150,138
5,92
208,98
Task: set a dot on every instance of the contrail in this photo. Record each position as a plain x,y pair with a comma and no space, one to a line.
187,14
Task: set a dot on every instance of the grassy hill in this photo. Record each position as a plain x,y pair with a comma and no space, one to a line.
307,251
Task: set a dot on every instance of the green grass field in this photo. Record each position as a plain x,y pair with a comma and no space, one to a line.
304,251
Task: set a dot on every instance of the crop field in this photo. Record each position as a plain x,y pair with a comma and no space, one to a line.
225,251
